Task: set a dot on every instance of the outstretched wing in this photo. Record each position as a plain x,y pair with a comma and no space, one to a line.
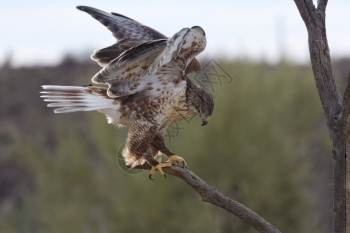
128,33
141,60
130,72
133,71
123,27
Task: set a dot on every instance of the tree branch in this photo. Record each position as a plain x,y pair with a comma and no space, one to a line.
321,5
346,102
346,107
212,195
321,63
331,101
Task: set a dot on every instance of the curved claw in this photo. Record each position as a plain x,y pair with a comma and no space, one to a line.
150,176
158,168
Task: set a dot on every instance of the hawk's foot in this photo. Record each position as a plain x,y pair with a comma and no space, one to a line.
178,159
158,167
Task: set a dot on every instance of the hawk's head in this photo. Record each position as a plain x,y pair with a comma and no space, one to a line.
205,106
200,100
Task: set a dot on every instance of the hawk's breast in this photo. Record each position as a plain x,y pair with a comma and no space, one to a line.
176,109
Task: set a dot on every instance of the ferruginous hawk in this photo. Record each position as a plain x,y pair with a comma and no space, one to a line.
148,88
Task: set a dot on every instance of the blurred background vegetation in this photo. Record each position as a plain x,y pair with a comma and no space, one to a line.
266,146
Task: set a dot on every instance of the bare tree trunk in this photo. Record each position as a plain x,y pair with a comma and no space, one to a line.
347,132
331,100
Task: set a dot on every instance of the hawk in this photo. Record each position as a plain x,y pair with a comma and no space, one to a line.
148,87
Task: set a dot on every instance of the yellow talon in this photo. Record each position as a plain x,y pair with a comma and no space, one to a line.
178,159
159,168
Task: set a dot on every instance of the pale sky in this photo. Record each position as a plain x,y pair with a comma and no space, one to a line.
41,32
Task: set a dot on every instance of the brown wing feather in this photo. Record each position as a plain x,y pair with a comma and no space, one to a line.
127,31
131,64
123,27
108,54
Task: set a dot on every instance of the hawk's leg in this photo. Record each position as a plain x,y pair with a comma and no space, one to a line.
139,143
159,144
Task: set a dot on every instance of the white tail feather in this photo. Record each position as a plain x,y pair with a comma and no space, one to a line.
73,99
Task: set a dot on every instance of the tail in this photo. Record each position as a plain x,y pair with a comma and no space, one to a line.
73,98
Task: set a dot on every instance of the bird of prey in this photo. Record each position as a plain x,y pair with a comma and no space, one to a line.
148,87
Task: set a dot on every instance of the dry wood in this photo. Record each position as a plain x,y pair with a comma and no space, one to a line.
331,100
212,195
347,132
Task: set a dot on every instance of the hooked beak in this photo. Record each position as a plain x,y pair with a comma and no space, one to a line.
205,121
